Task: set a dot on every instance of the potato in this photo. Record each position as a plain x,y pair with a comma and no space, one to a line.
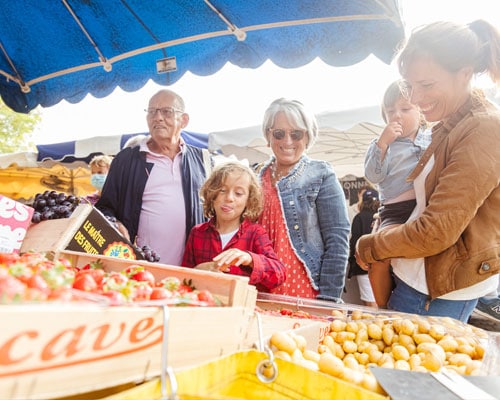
423,338
459,359
328,340
414,361
407,327
375,355
400,352
297,355
300,341
283,342
362,358
370,382
437,331
352,376
356,314
423,326
308,364
405,340
351,362
402,365
361,336
448,344
432,362
283,355
338,314
349,346
432,348
352,326
388,335
412,349
466,349
311,355
374,331
473,367
337,325
341,337
338,350
365,346
331,365
479,352
379,343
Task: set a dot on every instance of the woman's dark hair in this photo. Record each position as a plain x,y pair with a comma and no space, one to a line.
455,46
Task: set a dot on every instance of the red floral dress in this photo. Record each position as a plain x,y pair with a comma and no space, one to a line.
297,282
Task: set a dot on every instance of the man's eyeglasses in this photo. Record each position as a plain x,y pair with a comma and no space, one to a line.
166,112
295,134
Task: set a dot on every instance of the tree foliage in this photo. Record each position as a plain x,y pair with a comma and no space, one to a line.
16,130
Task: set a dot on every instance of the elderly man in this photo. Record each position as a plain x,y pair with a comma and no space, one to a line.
152,188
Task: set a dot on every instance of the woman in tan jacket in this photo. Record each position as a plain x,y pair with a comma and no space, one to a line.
449,250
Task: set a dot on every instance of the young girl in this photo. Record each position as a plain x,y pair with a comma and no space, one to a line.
230,241
389,160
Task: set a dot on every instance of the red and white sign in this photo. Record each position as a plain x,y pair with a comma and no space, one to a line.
15,218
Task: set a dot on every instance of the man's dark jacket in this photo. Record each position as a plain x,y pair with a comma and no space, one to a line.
124,187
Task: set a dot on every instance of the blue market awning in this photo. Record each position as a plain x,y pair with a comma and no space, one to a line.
53,50
85,149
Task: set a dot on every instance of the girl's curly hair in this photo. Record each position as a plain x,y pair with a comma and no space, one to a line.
212,186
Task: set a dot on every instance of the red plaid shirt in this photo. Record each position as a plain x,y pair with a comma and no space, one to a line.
204,244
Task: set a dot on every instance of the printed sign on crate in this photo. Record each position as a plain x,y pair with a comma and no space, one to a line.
86,231
15,218
96,236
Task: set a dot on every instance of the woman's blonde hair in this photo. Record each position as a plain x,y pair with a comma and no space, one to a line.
212,186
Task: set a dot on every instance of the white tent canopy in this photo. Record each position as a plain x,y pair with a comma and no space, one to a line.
343,139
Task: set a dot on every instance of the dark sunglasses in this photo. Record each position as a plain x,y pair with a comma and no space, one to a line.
295,134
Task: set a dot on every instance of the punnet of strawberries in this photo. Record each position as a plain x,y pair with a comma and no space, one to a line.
32,277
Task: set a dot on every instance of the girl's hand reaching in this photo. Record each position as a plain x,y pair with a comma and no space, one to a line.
232,257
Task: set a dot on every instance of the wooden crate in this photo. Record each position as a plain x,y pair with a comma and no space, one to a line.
231,289
49,350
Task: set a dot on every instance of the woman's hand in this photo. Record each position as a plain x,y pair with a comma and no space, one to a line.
232,257
364,266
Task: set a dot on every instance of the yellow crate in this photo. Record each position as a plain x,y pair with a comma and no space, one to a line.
235,377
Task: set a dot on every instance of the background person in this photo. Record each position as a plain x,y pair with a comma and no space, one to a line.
388,161
362,224
305,211
153,188
451,243
231,241
99,167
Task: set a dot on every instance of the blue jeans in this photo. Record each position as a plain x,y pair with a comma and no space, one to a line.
406,299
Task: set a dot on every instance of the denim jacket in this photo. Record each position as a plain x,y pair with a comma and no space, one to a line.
315,211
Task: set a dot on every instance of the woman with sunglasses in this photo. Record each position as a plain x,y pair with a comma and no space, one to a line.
305,212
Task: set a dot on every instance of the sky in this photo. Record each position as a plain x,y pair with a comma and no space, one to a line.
236,97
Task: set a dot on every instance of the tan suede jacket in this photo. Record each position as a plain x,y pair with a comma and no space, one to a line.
458,233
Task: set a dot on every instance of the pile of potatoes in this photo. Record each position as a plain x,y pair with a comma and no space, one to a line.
399,341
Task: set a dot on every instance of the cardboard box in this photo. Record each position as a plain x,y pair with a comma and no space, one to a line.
15,218
50,351
87,231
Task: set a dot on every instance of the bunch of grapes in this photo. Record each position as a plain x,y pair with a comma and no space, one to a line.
53,205
148,253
